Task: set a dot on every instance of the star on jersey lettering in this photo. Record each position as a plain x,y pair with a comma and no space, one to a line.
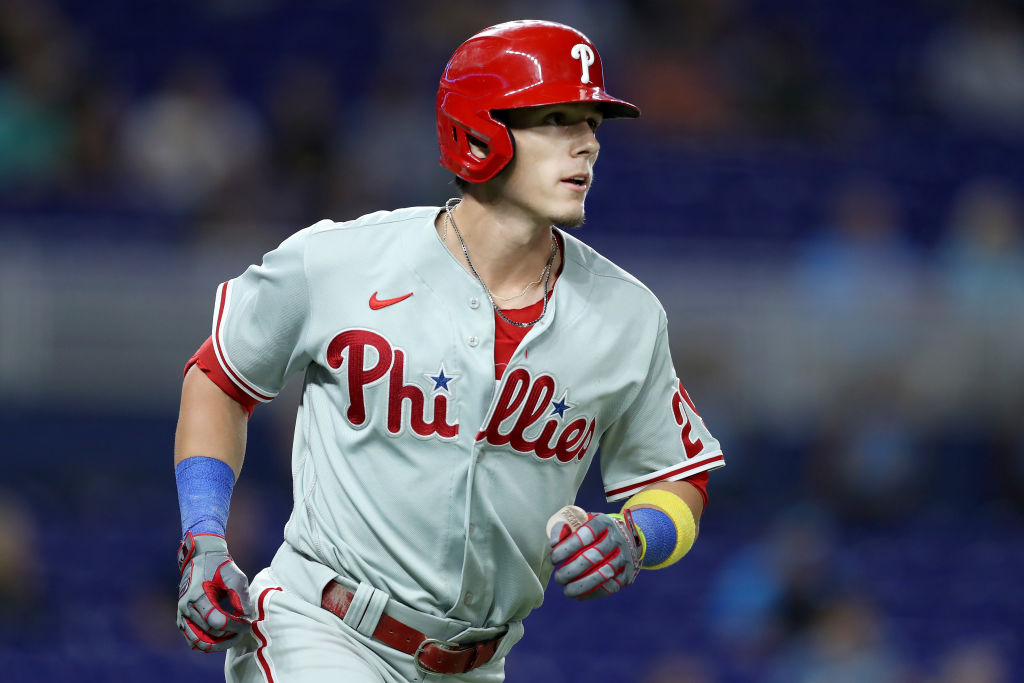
441,380
561,405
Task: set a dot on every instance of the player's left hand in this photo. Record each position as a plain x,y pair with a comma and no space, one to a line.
599,558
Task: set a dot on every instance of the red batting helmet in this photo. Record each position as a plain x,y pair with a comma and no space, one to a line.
508,66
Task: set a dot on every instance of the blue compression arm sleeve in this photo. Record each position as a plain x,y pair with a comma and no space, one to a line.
204,494
659,532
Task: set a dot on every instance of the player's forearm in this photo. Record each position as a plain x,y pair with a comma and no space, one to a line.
210,423
666,516
687,492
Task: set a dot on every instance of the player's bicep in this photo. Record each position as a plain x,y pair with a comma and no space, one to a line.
210,423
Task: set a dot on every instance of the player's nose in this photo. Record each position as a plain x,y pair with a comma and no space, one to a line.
584,141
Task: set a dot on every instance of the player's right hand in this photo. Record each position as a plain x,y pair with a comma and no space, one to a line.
214,611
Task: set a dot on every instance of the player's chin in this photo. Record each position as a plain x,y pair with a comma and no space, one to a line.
573,217
571,221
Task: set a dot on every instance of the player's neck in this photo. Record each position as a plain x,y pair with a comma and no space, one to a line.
507,248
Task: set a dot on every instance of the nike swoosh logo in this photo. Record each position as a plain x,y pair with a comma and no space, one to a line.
377,304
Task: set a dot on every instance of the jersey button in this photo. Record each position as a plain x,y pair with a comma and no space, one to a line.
469,598
474,303
473,341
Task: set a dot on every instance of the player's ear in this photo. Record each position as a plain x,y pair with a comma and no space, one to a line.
478,147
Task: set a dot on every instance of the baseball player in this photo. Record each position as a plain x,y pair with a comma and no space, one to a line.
461,366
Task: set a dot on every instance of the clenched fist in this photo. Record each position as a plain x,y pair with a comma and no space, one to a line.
599,558
214,610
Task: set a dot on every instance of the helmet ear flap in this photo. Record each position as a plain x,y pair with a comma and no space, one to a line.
456,135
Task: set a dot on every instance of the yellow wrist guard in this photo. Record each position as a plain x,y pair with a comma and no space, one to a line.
677,512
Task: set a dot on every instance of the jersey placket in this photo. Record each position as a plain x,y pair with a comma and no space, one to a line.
476,595
472,325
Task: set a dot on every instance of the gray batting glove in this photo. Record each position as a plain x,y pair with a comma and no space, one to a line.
214,611
599,558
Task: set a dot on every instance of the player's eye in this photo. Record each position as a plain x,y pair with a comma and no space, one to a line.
555,118
593,123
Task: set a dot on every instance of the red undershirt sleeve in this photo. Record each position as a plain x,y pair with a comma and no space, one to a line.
700,482
206,359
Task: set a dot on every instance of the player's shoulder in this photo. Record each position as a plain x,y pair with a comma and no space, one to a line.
330,244
613,281
380,221
599,265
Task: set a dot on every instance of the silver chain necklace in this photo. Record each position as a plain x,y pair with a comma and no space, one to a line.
540,278
451,204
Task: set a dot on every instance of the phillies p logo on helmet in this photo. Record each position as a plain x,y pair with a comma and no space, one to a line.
582,52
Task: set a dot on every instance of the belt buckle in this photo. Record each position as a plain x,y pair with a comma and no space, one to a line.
443,644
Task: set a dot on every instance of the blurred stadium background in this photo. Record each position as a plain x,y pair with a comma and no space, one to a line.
825,196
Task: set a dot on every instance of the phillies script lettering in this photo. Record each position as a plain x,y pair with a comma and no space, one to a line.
391,362
528,401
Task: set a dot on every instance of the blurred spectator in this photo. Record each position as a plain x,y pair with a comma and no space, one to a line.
846,644
34,136
861,278
866,462
771,590
973,69
394,141
187,141
861,257
974,662
37,80
777,80
983,255
674,75
21,569
680,669
707,68
427,31
306,140
980,362
94,180
857,282
967,378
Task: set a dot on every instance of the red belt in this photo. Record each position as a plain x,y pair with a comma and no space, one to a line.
429,654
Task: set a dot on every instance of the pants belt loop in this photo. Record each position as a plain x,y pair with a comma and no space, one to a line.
367,606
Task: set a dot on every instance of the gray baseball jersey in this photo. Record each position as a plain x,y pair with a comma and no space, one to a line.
416,472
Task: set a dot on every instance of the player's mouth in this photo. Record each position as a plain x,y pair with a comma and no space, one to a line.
578,183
